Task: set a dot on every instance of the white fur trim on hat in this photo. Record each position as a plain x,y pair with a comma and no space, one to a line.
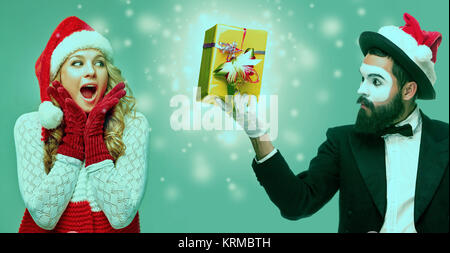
50,115
420,54
423,53
76,41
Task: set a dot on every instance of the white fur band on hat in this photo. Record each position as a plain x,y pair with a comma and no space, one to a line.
76,41
420,54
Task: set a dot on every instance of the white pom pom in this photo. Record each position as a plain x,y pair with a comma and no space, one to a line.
423,53
50,115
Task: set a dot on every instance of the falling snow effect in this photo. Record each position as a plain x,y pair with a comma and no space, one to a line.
172,55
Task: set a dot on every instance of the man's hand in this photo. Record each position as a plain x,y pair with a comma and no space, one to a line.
245,115
247,118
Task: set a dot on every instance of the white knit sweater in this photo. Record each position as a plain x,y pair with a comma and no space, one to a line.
117,190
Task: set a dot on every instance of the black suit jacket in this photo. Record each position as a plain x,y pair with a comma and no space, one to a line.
355,165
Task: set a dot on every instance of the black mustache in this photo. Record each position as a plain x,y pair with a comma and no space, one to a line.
366,102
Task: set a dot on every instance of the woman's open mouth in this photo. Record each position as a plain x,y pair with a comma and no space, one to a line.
88,92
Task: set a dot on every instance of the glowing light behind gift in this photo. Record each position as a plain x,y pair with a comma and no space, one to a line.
194,37
178,64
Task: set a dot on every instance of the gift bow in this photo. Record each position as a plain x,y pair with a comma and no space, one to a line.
229,49
240,69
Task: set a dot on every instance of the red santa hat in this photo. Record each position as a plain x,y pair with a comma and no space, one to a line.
72,34
412,48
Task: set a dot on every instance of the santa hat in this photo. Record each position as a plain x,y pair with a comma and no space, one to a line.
72,34
412,48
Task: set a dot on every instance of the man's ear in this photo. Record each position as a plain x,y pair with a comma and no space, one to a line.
409,90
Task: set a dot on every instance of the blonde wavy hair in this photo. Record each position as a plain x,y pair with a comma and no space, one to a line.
114,123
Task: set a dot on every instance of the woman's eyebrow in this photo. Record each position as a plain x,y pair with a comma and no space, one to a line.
82,56
76,55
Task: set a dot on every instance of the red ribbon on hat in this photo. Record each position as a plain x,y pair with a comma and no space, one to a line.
430,39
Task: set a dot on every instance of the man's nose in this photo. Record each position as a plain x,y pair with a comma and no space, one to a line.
363,90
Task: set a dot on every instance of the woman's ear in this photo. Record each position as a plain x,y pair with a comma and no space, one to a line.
409,90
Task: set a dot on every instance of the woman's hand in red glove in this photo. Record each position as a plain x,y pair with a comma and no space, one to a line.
74,119
95,147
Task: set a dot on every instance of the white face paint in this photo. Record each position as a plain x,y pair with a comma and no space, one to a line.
376,84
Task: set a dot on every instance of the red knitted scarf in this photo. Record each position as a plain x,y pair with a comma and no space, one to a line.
78,217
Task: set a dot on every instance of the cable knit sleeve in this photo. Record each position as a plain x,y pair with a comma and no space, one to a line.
119,189
45,196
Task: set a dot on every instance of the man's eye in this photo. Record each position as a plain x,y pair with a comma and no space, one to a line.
376,82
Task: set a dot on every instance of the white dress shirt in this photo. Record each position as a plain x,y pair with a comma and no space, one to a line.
402,159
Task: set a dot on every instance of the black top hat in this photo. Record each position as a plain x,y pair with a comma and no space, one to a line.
413,49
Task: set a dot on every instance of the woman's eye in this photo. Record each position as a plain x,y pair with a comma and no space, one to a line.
100,63
362,79
76,63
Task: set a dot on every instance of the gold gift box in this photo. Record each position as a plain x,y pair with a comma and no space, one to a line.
213,57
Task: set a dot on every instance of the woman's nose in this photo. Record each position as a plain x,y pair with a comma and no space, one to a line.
89,70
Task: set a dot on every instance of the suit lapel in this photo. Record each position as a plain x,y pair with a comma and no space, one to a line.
369,154
433,159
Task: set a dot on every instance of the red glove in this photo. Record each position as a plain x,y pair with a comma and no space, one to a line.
75,120
95,147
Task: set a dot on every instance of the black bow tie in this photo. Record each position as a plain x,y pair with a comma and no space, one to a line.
405,130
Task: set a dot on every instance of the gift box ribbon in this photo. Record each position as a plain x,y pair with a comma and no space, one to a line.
209,45
236,69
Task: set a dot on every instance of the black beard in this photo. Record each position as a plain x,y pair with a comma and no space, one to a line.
381,116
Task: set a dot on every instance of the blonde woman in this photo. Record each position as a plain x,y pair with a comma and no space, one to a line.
82,158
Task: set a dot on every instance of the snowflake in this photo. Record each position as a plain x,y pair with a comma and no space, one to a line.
337,73
233,156
339,43
331,27
177,8
361,12
127,43
129,12
294,113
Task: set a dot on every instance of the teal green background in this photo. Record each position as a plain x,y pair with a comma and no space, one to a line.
202,181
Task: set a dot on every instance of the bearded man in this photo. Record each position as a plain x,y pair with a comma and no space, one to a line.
391,167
